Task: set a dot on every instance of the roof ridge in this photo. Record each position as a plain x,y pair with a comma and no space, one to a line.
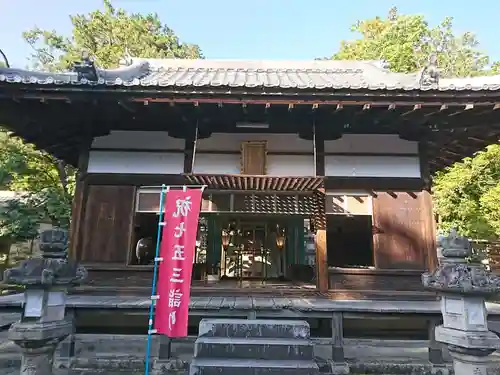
264,74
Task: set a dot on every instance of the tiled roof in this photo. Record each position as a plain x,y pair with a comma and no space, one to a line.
301,75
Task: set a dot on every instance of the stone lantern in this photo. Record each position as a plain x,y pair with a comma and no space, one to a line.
43,323
464,288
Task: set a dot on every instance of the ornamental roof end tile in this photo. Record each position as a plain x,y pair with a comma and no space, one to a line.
277,74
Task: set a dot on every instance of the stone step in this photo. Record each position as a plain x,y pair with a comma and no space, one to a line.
258,328
257,348
251,367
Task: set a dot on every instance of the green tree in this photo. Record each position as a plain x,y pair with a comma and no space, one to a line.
466,195
495,67
45,186
107,36
407,41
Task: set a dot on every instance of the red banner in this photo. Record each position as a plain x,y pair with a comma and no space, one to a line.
181,213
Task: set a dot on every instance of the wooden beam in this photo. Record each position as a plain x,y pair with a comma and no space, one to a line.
425,173
321,260
79,200
320,242
284,100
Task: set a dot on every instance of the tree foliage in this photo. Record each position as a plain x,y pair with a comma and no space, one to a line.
107,36
467,195
495,67
406,42
45,187
46,184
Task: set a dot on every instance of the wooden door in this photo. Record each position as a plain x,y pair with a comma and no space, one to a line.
253,158
400,230
107,224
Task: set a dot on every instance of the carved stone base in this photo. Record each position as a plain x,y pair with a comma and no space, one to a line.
37,361
464,364
38,342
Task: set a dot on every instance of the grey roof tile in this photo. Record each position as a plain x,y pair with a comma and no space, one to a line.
301,75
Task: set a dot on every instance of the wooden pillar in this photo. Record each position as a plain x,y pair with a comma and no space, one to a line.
320,242
321,265
79,200
77,210
429,230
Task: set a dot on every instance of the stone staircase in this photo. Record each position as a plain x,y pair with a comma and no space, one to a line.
253,347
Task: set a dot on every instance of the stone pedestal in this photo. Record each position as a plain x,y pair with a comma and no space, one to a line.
464,287
38,342
43,323
470,364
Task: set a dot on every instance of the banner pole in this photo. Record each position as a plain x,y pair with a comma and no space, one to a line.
164,190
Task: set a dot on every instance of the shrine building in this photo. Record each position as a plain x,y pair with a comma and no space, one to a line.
317,173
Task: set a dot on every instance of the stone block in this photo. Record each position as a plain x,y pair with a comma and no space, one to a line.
258,328
248,348
464,313
338,368
169,366
469,340
252,367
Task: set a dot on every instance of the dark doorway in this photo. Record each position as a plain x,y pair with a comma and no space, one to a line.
349,241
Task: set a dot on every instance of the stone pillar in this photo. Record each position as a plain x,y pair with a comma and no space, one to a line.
464,288
43,323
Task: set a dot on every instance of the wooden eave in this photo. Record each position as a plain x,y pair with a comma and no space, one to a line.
60,120
256,183
231,95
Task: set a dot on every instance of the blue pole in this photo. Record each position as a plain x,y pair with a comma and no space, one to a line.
155,271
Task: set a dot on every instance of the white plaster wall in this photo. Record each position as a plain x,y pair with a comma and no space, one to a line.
135,162
371,144
372,166
277,165
140,140
290,165
275,142
217,163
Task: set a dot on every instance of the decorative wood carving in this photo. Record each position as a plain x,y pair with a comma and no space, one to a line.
225,202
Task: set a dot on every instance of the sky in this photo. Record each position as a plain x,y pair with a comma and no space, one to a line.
256,29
